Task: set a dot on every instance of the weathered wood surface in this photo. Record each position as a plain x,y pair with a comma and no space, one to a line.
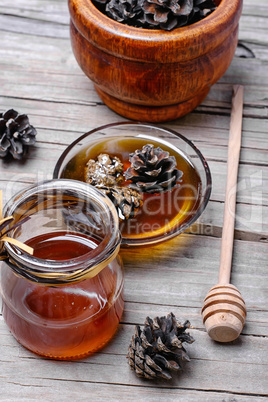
40,77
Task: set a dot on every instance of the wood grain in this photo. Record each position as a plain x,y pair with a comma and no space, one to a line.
224,310
153,75
234,146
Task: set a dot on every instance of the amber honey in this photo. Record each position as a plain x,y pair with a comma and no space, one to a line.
161,213
63,322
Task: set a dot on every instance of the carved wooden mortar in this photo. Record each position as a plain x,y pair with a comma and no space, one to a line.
153,75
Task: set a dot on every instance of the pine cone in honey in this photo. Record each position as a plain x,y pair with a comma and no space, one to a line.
105,171
157,349
152,170
126,200
16,134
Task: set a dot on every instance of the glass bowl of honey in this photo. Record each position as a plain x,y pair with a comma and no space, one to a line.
164,211
65,300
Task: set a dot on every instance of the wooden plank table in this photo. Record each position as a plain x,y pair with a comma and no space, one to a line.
39,76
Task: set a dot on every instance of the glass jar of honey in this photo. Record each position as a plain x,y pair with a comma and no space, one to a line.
64,301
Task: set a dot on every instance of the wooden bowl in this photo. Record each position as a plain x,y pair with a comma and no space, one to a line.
153,75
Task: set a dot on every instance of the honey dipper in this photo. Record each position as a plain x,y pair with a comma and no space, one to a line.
224,310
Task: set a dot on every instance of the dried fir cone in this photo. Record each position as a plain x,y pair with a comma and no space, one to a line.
158,348
126,200
16,134
152,170
167,14
105,171
157,14
125,11
201,9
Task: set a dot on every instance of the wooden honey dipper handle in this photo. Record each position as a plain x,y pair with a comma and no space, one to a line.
224,310
234,146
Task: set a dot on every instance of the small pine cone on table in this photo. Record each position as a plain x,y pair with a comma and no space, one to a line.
152,170
16,134
157,349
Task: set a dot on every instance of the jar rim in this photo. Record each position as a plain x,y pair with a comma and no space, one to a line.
75,269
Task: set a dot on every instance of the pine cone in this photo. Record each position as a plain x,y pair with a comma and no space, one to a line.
126,200
156,14
105,171
16,134
202,8
152,170
167,14
126,11
157,349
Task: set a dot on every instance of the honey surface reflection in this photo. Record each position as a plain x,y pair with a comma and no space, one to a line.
161,212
